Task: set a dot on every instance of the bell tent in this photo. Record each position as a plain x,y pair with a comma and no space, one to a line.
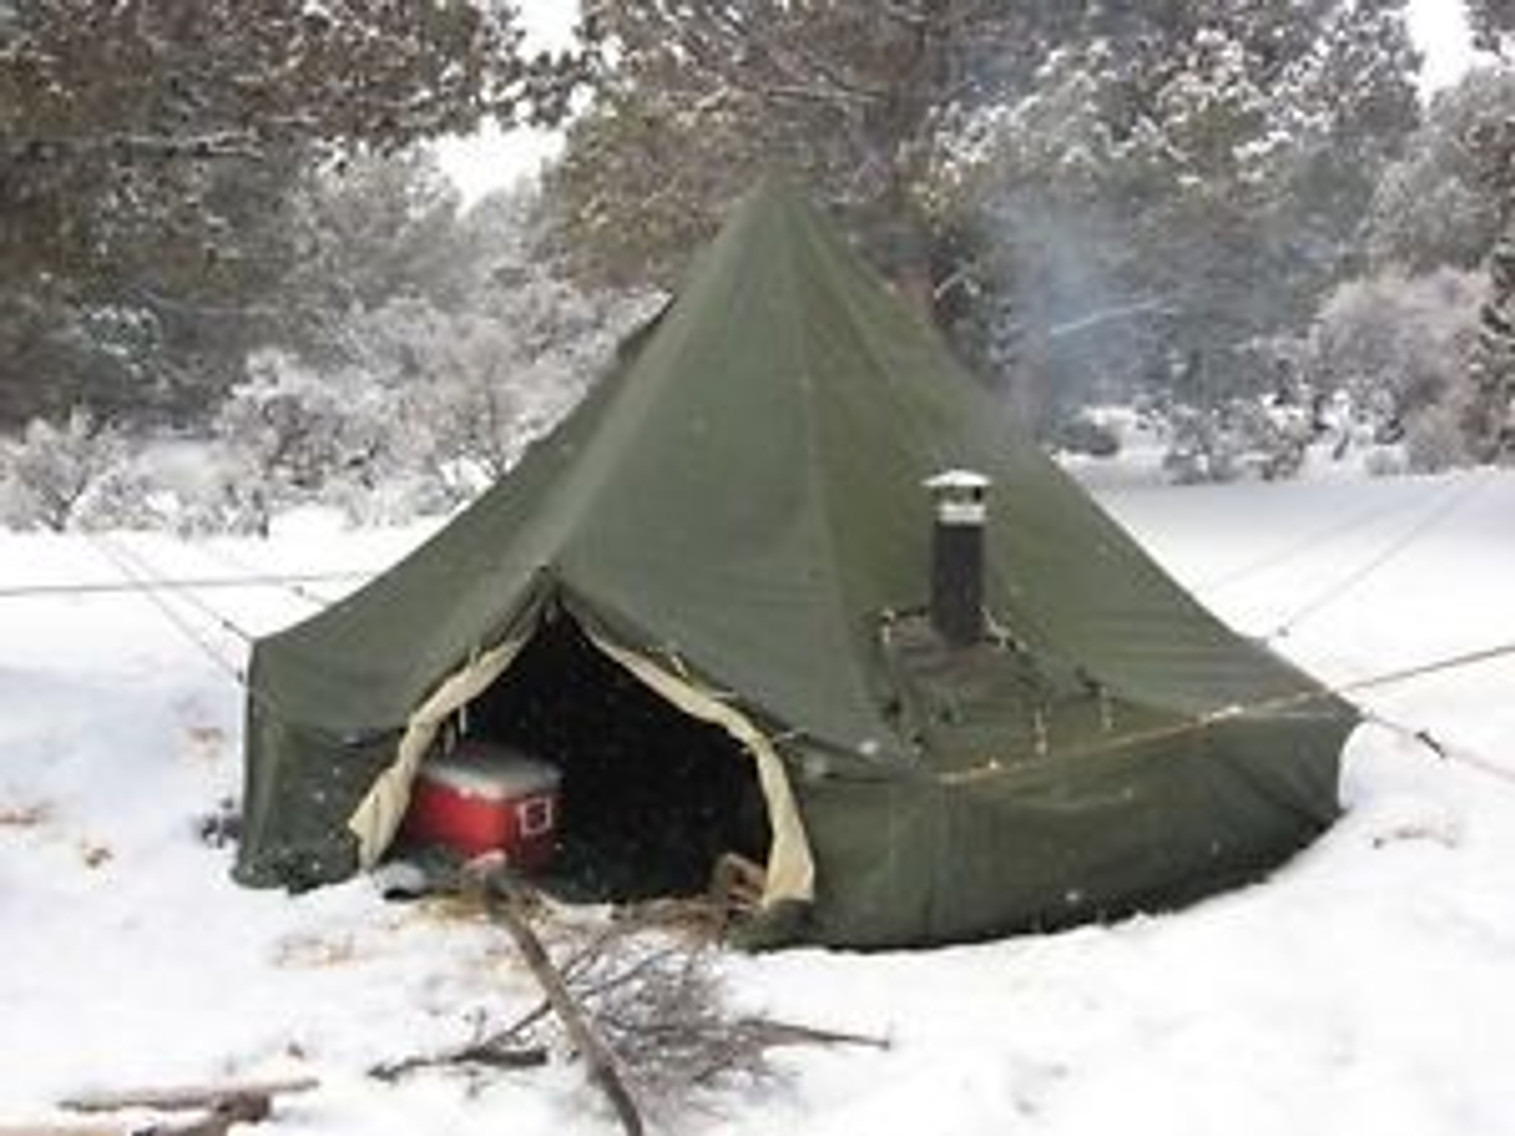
706,596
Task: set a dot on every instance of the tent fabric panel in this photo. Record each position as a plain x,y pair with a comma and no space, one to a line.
295,802
874,844
1047,845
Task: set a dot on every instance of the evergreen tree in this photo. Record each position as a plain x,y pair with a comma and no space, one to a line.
1489,418
692,102
1160,209
1446,199
149,148
1075,190
1451,200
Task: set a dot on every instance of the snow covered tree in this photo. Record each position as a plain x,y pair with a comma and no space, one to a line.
1187,194
1488,420
1080,192
420,406
376,227
692,102
1398,350
147,149
514,368
300,427
1452,201
50,472
1446,200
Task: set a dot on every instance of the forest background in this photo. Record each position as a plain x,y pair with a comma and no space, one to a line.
235,278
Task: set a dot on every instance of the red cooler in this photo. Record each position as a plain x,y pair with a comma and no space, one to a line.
486,798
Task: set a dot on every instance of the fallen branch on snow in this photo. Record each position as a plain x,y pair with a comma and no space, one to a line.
188,1096
222,1107
502,897
652,1002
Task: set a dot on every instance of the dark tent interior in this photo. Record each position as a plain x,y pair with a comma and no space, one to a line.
650,797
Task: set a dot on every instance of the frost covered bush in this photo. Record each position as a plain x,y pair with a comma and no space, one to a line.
74,477
1435,439
1084,433
296,427
1398,349
1395,341
49,474
410,400
506,382
1239,438
426,408
124,496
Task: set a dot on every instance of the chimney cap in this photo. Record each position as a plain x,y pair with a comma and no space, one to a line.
957,481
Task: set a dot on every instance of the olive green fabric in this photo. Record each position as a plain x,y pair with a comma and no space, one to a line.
740,498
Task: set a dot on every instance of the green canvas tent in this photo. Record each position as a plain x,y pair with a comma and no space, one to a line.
703,595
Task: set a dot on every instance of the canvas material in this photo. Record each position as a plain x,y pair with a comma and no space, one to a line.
743,491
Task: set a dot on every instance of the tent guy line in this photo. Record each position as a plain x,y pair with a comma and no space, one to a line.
142,581
1406,540
195,583
135,566
1440,748
1323,536
1298,699
294,586
154,594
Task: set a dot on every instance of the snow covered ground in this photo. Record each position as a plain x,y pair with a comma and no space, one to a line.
1368,987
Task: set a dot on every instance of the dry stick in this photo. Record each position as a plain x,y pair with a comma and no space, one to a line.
486,1052
775,1033
243,1108
188,1096
499,895
763,1034
490,1049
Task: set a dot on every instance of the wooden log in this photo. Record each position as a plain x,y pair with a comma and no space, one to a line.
187,1097
501,897
218,1122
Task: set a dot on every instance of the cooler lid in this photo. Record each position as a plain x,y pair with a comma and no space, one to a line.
492,771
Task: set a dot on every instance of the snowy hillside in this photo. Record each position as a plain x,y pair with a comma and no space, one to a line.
1368,987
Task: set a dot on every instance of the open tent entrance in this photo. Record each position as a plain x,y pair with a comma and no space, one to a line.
651,797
